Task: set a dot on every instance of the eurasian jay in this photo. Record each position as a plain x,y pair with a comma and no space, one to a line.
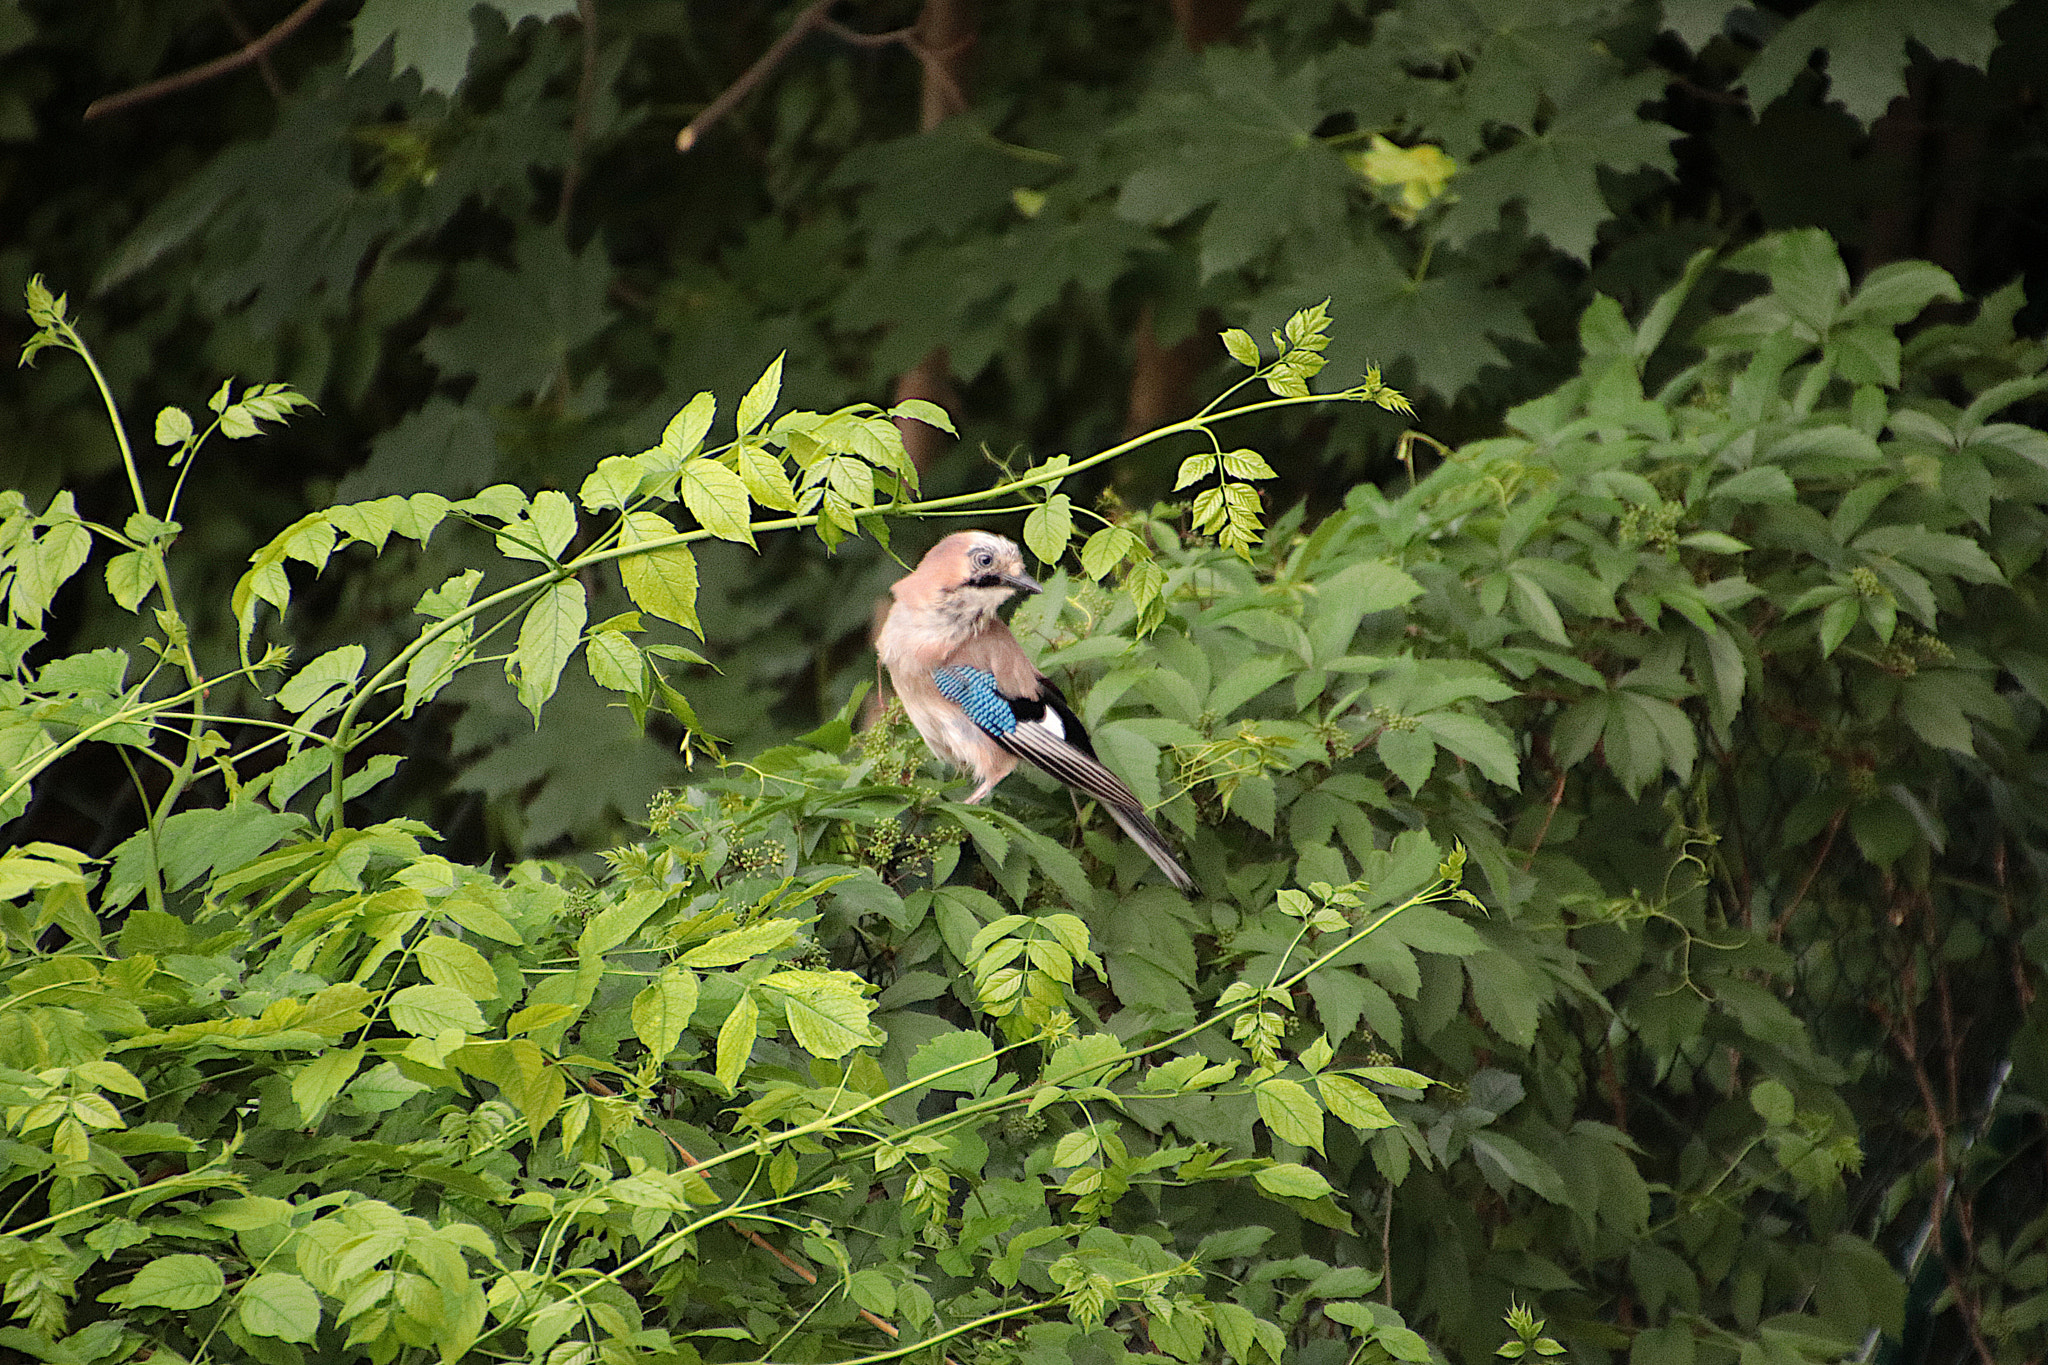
974,694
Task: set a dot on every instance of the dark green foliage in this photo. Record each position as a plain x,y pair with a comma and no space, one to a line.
1651,1087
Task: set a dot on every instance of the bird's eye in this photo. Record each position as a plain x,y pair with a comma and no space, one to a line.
983,558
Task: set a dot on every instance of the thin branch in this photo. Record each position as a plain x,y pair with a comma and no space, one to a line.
730,97
245,37
1826,845
205,71
579,125
859,39
795,1267
1549,814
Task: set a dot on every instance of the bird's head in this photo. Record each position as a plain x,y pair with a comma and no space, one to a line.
968,572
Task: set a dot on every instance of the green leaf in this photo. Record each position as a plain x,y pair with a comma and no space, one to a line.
1049,528
547,637
684,435
717,497
1353,1103
316,1083
1106,549
1290,1180
1242,348
129,579
1868,45
451,962
1555,174
181,1282
173,427
736,1039
952,1050
1290,1111
662,582
1238,139
429,1011
827,1011
760,399
743,944
662,1011
614,483
281,1305
1505,1161
925,411
766,479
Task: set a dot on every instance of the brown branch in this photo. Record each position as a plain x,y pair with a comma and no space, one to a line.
579,124
795,1267
244,36
859,39
1549,814
730,97
1826,844
205,71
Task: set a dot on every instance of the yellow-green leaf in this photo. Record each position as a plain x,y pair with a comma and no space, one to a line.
662,581
548,636
662,1011
736,1040
717,497
760,399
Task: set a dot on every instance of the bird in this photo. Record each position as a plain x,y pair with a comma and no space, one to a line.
976,697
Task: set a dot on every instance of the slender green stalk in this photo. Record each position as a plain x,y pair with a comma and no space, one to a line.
345,738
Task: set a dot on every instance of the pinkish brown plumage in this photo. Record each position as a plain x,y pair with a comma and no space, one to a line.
974,694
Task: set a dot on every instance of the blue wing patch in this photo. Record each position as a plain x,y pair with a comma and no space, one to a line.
973,690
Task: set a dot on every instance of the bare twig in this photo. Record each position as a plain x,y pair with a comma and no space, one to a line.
730,97
205,71
859,39
1826,845
1549,814
795,1267
579,125
245,36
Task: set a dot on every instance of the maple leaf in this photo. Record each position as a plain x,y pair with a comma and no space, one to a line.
1243,141
1555,172
1866,42
1436,329
519,326
434,37
942,181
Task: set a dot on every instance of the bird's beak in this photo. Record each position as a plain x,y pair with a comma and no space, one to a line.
1022,582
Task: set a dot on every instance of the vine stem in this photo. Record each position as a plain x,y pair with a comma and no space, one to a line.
762,1145
602,554
177,636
